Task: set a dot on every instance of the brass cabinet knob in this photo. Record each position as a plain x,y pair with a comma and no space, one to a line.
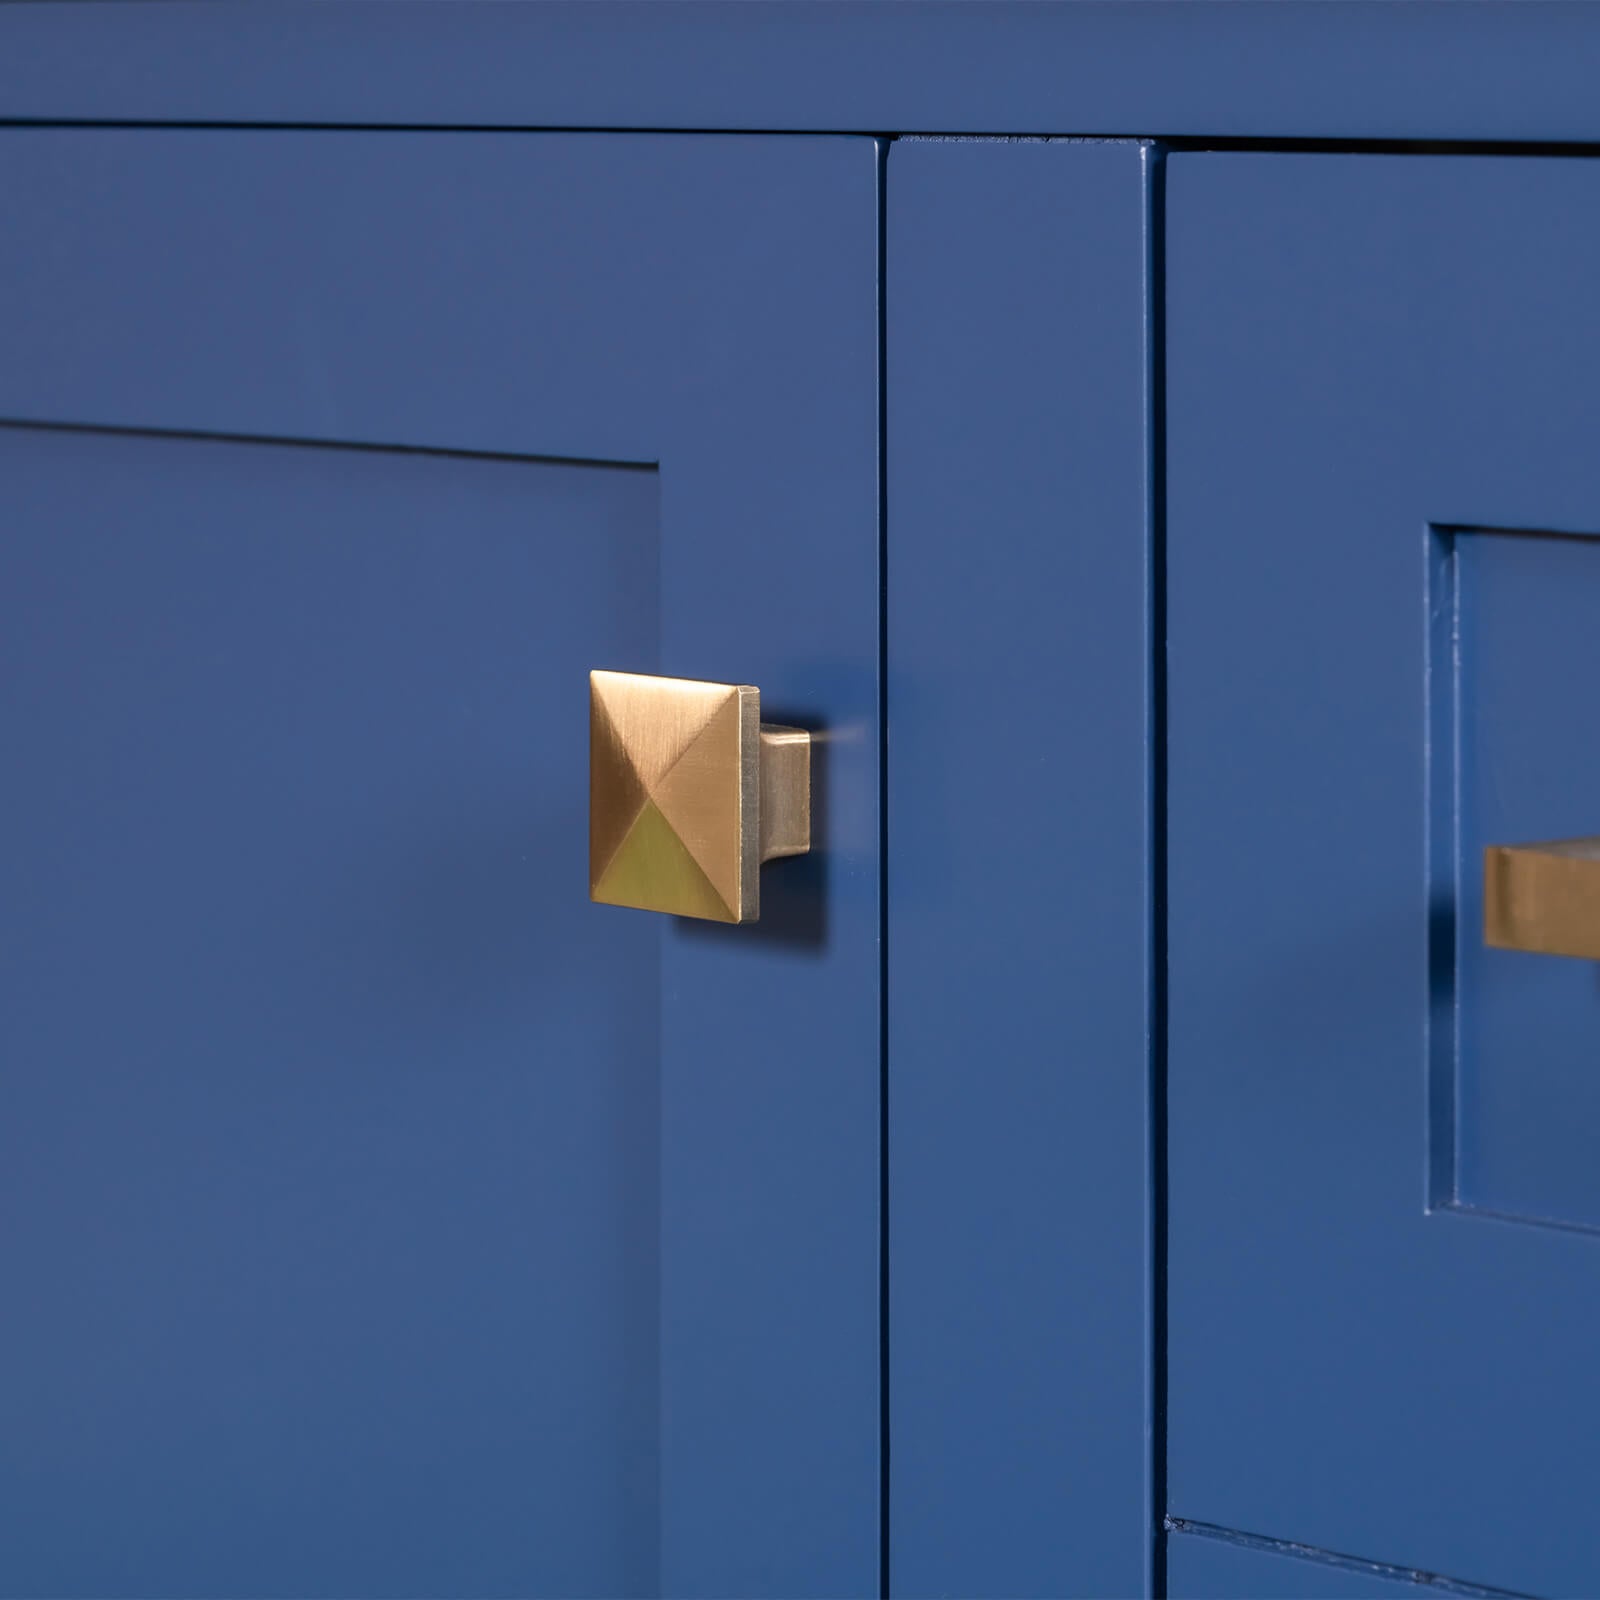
689,792
1543,897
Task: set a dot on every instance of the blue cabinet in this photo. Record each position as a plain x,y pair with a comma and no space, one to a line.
1150,444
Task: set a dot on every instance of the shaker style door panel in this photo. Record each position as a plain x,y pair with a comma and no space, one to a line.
1384,523
379,1215
330,1210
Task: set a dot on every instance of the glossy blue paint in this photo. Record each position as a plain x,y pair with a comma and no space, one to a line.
1019,930
1491,69
368,1138
1364,350
1209,1568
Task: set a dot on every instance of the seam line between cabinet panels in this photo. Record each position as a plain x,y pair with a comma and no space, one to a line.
1329,1558
123,430
1170,140
1156,812
1167,142
883,869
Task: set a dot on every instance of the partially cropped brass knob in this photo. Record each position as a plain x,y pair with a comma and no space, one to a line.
1544,898
688,794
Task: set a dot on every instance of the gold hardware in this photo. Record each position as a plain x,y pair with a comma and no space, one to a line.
688,794
1543,897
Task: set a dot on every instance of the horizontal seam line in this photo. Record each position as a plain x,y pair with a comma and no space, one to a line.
1329,1558
133,430
1309,144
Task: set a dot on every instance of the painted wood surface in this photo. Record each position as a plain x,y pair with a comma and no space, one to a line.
1343,69
366,1180
1019,834
331,1210
1363,351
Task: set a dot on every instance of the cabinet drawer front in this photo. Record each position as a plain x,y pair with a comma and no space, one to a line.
1382,408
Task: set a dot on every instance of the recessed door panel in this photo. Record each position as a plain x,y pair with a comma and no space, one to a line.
331,1139
1517,1051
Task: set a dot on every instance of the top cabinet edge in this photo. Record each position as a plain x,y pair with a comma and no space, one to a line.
1495,71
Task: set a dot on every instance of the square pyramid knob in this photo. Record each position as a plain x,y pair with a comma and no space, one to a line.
688,794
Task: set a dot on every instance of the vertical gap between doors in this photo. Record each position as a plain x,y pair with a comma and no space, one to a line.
1156,1255
883,872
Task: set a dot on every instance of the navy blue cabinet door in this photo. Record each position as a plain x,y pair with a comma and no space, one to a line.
379,1216
1384,519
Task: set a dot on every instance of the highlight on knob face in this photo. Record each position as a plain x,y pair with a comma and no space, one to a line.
676,795
668,794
